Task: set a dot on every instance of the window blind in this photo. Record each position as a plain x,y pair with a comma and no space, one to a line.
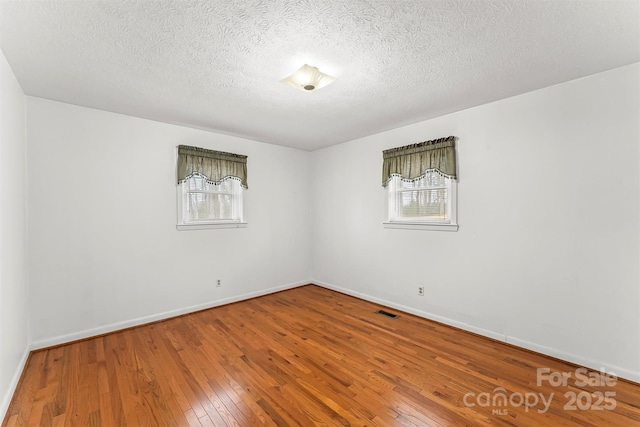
426,198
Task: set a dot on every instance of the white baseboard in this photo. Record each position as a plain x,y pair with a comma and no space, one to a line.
579,360
559,354
88,333
6,399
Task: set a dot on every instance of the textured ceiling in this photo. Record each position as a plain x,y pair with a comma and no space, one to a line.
217,64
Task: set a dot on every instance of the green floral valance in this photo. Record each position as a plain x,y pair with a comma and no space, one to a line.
216,166
412,161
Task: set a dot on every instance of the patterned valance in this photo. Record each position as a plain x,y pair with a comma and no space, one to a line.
216,166
413,161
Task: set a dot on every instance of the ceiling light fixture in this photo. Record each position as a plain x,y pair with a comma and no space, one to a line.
308,79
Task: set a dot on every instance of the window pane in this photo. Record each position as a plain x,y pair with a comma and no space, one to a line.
431,179
224,186
196,183
206,202
426,200
207,206
425,204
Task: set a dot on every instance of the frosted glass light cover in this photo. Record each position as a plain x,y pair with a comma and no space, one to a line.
308,79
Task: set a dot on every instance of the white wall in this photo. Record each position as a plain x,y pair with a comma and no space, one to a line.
14,337
547,252
104,252
103,246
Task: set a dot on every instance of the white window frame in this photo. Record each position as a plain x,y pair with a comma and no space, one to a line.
394,221
237,207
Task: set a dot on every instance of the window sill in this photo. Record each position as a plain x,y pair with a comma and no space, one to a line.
421,226
183,227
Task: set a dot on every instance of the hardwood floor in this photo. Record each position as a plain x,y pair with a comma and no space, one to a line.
304,357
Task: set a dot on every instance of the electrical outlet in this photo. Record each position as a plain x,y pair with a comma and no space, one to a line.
421,291
218,283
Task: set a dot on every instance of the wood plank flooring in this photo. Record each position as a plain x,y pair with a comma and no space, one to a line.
305,357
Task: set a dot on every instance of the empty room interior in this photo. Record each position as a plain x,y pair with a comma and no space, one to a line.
380,213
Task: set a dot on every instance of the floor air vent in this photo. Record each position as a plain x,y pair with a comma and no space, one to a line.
386,313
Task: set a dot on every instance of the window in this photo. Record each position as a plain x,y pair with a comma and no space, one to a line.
421,185
205,202
210,189
429,200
